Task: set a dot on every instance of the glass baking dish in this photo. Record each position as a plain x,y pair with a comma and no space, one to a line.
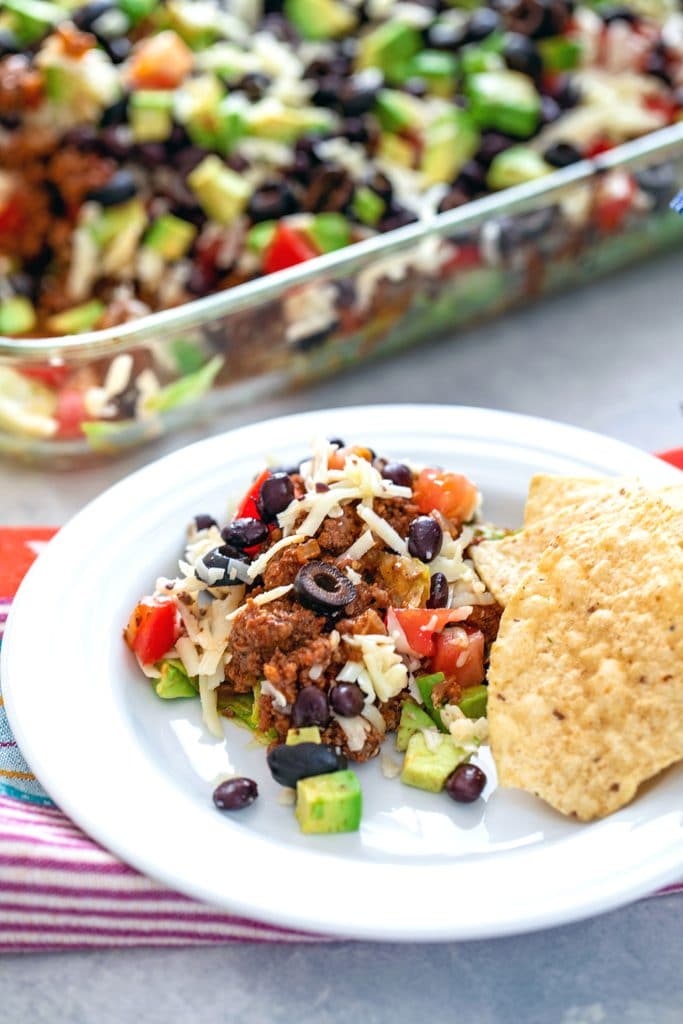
334,311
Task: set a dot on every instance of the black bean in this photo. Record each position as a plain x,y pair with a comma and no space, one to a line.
455,197
355,129
9,43
282,29
275,495
466,783
115,114
567,92
380,184
482,23
120,187
396,217
472,178
492,143
347,699
204,521
424,538
327,91
218,559
358,92
562,154
398,473
444,35
550,110
245,532
330,190
152,154
323,587
289,764
185,160
438,591
272,201
310,708
255,85
83,137
83,17
235,794
117,50
520,54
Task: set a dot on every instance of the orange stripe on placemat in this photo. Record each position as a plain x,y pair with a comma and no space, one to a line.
19,548
7,774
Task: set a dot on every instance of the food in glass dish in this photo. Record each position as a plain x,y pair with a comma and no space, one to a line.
152,153
351,597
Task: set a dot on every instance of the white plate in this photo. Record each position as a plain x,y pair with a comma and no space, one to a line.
137,773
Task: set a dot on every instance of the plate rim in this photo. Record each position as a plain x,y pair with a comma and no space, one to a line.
619,894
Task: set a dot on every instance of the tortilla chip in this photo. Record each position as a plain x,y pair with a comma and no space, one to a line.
586,676
556,495
673,496
503,564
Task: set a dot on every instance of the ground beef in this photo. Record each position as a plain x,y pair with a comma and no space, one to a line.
283,567
261,631
21,87
284,671
398,512
270,717
75,174
486,617
335,736
447,692
368,623
369,596
336,535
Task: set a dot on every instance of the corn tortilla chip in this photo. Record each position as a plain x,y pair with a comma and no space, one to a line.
556,495
586,675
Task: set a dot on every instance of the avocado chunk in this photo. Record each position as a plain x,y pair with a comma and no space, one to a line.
389,47
116,219
32,18
560,53
329,231
137,9
17,315
429,769
396,110
474,701
320,19
151,115
174,681
260,236
222,193
307,734
505,100
425,685
170,236
450,141
516,165
195,23
367,206
329,803
476,59
437,69
77,319
270,119
396,150
212,119
413,719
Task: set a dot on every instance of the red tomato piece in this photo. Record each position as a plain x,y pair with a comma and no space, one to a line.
152,630
162,61
71,413
420,625
12,215
459,654
287,249
614,200
248,509
451,494
51,376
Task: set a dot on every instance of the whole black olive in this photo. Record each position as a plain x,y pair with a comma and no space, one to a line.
288,764
323,587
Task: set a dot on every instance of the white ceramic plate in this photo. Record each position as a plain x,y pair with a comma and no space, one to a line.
137,773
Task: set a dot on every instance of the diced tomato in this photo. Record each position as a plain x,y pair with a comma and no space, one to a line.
663,105
465,257
71,413
598,147
287,249
12,215
248,509
338,457
459,654
152,630
51,376
614,200
162,61
420,625
451,494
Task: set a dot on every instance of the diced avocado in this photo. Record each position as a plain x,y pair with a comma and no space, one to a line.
329,803
450,141
413,719
188,354
77,319
429,769
438,69
137,9
212,119
17,315
329,231
195,23
32,18
396,110
170,236
270,119
151,115
308,734
505,100
474,701
260,236
174,681
425,685
320,19
185,389
560,53
483,56
222,193
116,219
395,150
389,47
367,206
516,165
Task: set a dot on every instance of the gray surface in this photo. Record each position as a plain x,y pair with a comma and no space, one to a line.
609,358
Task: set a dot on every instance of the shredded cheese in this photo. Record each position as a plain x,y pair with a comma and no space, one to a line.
355,729
209,702
269,690
381,528
257,566
360,547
